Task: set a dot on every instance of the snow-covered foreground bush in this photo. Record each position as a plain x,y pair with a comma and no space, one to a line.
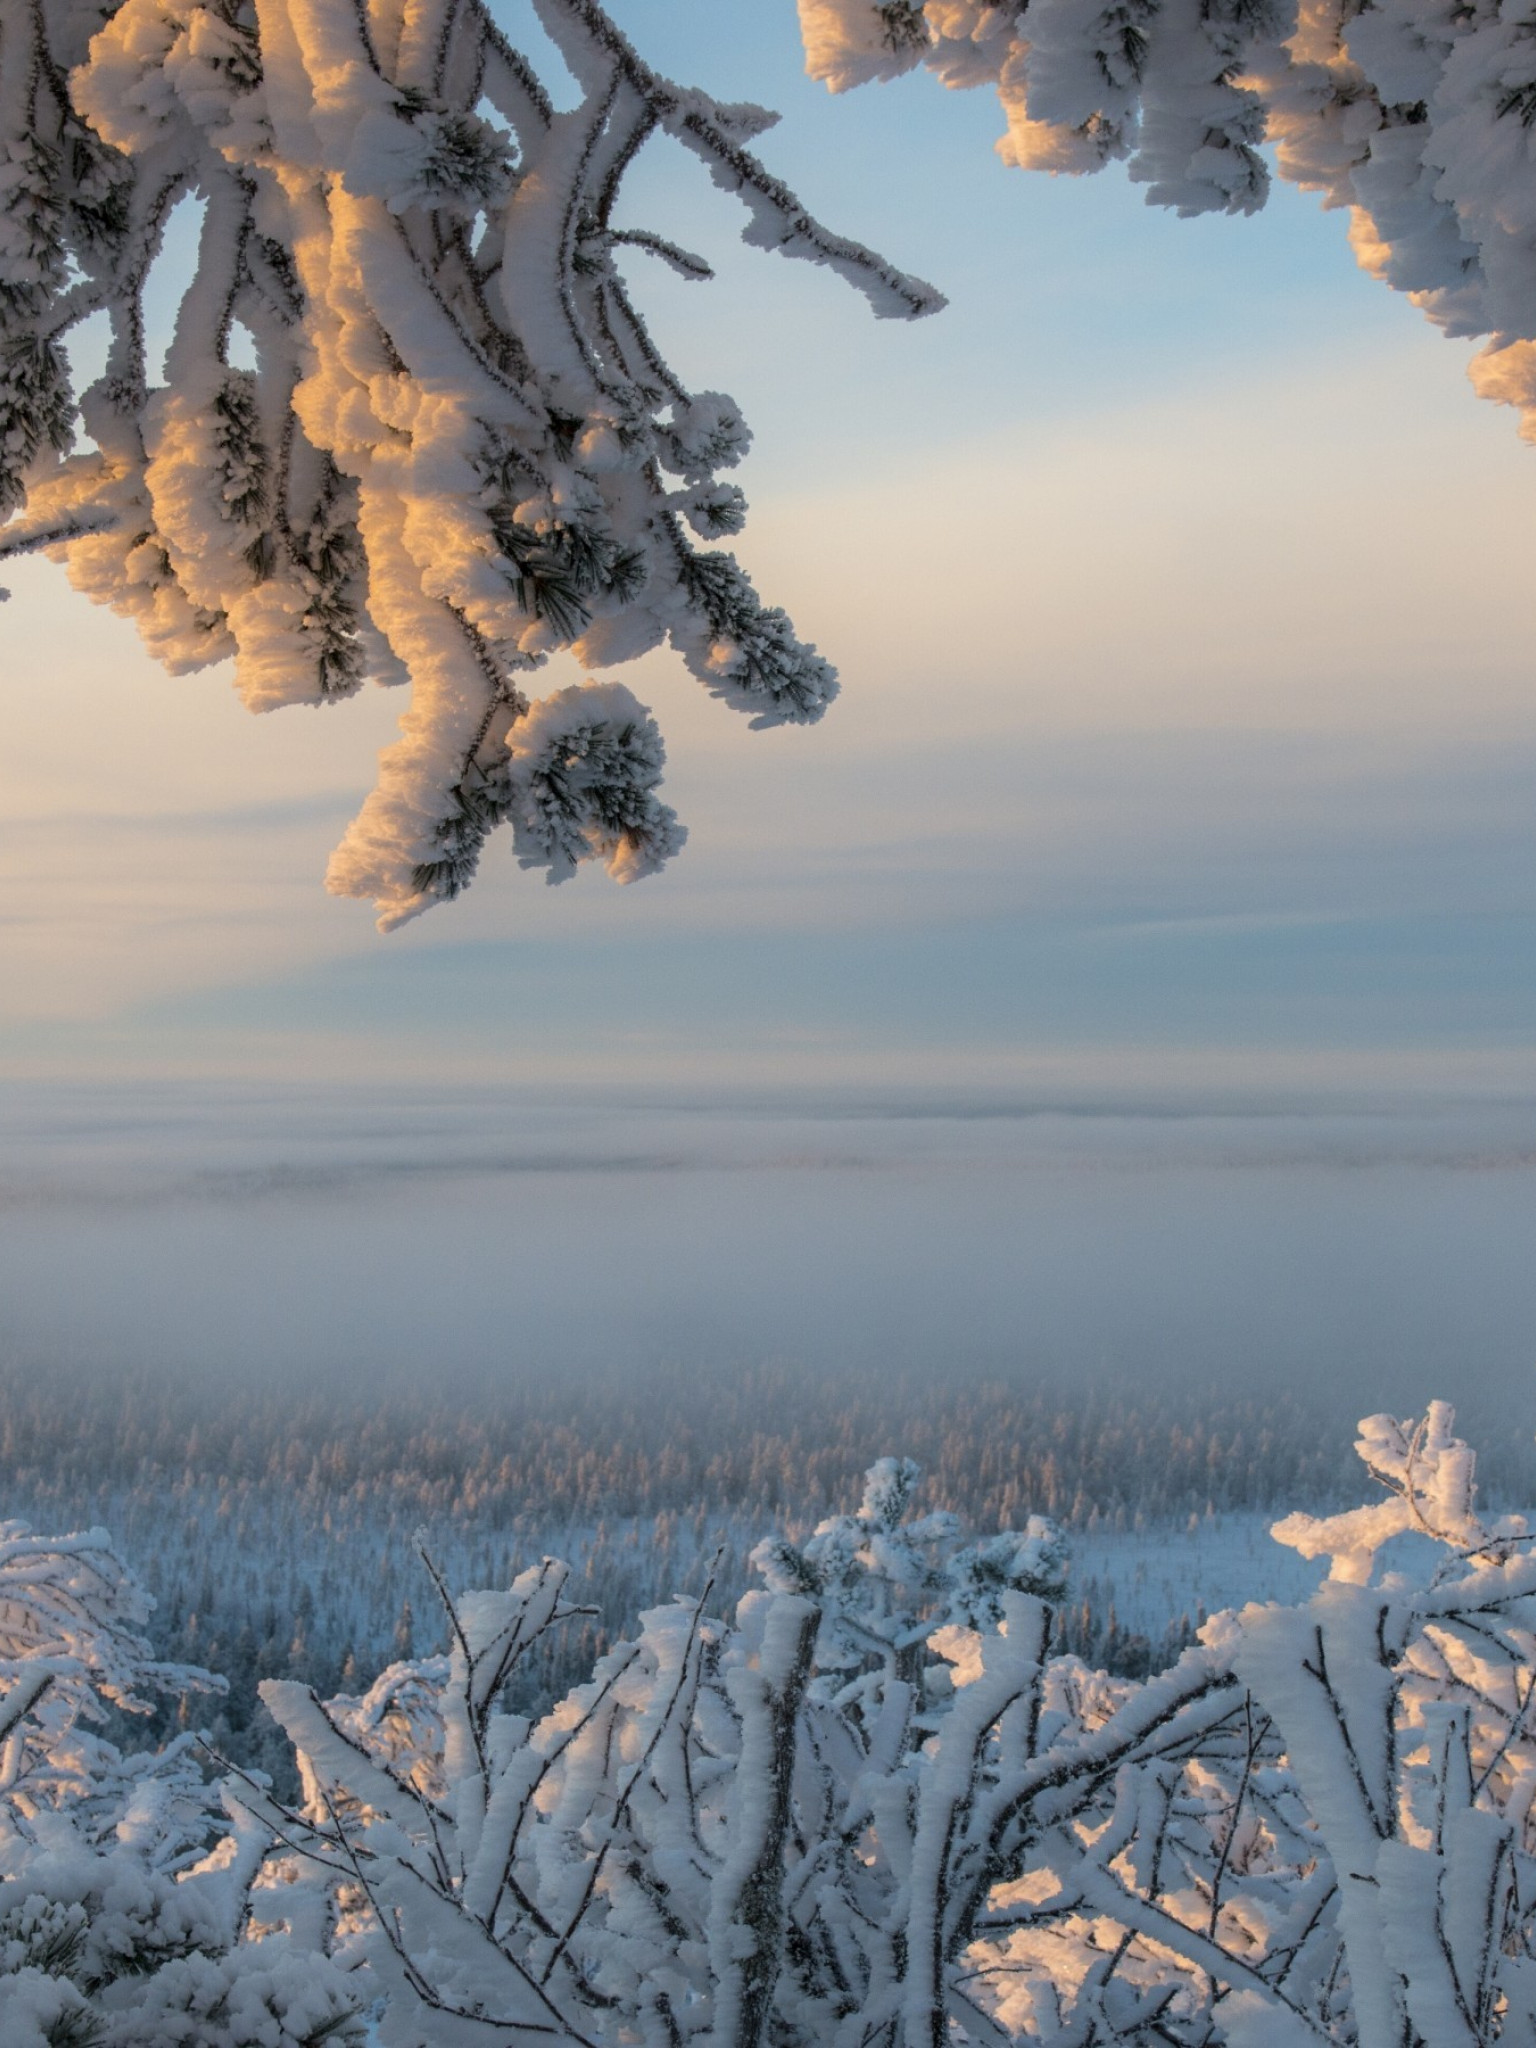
124,1881
873,1808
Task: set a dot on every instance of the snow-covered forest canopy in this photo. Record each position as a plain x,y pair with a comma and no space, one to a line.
462,450
872,1806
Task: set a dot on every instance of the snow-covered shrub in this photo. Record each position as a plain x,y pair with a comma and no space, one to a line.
71,1613
125,1881
874,1808
871,1808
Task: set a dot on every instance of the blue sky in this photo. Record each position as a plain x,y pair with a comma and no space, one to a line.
1178,585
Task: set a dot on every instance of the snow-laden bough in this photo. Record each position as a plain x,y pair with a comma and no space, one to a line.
460,450
1416,116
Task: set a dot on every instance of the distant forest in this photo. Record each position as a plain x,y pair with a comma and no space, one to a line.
275,1521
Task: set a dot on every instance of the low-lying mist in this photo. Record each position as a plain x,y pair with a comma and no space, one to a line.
473,1250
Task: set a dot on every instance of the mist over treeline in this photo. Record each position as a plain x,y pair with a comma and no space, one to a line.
658,1307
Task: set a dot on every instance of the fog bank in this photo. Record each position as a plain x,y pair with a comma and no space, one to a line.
1359,1257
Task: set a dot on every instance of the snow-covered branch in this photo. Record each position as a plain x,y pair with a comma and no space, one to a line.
877,1809
126,1881
1418,118
460,450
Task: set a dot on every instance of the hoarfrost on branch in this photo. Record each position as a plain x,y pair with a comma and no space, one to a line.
461,450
